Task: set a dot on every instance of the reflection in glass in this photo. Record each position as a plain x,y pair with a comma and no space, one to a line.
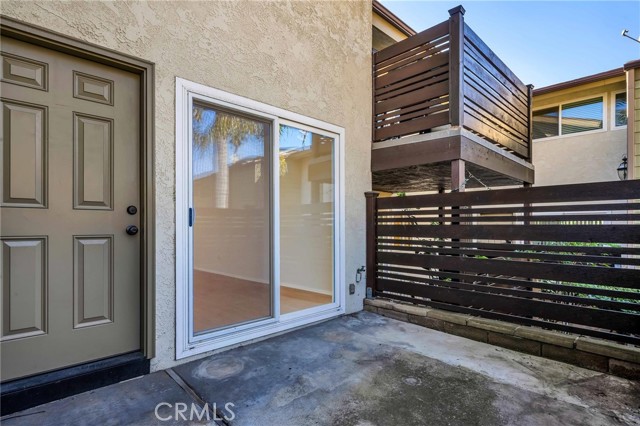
231,233
582,116
306,219
545,123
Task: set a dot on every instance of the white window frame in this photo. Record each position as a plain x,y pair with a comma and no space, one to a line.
188,344
613,110
605,117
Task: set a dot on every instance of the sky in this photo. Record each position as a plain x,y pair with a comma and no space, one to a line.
542,42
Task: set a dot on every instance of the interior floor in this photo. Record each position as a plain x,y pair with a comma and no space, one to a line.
220,300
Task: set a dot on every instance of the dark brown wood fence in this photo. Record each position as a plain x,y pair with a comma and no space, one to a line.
448,75
560,257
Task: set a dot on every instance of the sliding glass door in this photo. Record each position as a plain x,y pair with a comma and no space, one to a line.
231,218
306,218
259,236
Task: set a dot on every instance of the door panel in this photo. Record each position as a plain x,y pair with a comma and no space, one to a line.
231,234
71,148
24,154
92,281
24,307
93,162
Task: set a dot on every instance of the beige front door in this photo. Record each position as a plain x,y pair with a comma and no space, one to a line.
70,169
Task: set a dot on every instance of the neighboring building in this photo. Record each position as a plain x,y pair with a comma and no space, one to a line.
580,128
632,70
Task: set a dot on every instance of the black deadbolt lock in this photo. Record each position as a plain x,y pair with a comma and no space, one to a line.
132,230
132,210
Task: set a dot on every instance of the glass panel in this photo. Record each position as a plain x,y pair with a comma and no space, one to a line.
231,233
306,219
545,123
582,116
621,109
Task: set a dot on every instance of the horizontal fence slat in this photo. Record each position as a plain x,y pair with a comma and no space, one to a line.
518,292
600,250
622,322
600,191
615,277
490,280
591,207
610,260
521,218
622,234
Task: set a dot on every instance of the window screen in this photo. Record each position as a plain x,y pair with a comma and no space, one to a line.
621,109
545,123
582,116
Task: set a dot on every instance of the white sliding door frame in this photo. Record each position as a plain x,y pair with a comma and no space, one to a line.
187,343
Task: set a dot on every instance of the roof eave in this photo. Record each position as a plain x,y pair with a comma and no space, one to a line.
390,17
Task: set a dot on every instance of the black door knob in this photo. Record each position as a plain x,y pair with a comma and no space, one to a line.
132,230
132,210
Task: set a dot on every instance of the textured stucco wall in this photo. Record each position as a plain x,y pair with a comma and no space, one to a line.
312,58
581,157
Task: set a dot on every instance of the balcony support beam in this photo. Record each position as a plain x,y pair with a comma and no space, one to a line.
458,175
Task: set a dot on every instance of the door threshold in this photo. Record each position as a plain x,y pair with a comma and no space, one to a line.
20,394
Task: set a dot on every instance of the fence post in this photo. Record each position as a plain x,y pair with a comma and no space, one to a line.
372,211
456,66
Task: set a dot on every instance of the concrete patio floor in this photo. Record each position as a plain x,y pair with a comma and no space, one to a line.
361,369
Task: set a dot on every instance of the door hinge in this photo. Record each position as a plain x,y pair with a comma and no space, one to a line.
192,216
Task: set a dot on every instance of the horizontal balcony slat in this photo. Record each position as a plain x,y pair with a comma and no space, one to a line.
494,135
415,83
411,109
493,77
426,36
417,54
404,117
417,68
482,79
480,45
412,126
481,100
412,98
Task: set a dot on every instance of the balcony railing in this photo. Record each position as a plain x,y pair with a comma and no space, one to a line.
446,75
